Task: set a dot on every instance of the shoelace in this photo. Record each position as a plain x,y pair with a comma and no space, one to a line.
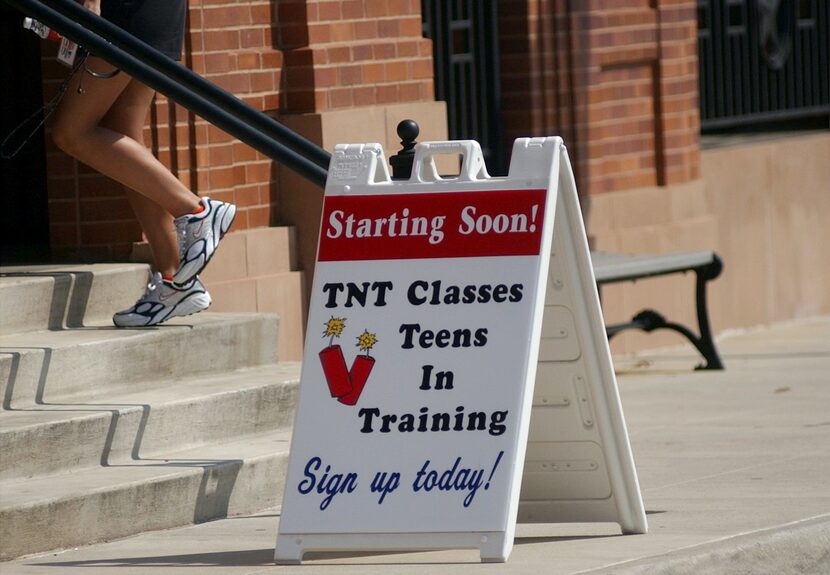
181,234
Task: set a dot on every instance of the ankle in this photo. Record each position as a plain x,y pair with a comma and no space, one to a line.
191,209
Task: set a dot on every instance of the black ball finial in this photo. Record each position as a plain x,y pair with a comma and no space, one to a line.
401,162
408,131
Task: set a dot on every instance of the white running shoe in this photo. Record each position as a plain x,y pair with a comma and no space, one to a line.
199,235
163,301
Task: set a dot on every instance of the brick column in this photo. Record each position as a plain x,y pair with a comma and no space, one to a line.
679,91
353,69
617,80
352,54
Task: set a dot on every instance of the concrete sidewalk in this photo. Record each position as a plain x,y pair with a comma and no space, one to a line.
734,468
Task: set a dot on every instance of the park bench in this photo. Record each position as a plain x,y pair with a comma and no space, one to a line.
612,268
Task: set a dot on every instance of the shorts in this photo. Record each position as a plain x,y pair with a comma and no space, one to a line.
159,23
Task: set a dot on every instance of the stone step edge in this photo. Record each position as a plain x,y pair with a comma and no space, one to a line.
55,296
184,413
241,477
32,362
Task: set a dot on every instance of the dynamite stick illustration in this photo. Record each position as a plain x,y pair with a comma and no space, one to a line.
361,367
332,360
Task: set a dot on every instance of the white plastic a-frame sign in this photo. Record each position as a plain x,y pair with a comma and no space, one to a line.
579,467
425,325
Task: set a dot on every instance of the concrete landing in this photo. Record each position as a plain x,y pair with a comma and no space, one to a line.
734,467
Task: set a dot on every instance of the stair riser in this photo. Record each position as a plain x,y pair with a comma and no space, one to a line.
118,434
52,299
47,374
225,489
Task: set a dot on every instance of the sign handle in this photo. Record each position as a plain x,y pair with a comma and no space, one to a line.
473,168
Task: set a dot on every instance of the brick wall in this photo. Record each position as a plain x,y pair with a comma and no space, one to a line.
616,78
280,56
348,54
231,43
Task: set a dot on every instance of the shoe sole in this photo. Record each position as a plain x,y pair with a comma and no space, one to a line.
221,222
188,306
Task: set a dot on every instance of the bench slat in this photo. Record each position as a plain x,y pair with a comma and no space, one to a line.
614,267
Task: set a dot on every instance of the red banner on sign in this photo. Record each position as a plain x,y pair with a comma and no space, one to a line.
432,225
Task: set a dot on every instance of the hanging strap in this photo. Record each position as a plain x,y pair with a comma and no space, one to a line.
49,108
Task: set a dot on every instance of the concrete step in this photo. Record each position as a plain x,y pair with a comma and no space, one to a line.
53,297
143,494
80,432
44,366
107,432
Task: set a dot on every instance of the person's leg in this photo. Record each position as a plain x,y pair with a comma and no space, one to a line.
127,116
77,130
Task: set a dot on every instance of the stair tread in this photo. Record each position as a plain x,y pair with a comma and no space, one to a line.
36,271
163,391
51,296
102,332
22,493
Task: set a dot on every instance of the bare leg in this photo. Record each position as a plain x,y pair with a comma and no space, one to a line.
78,130
127,116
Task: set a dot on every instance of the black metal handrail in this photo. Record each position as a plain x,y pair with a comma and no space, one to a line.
763,60
184,86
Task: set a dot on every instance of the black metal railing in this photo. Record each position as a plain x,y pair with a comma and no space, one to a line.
465,50
182,85
763,60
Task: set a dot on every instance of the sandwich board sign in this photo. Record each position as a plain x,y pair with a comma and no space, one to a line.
427,322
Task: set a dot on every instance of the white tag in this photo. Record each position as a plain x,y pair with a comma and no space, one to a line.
67,52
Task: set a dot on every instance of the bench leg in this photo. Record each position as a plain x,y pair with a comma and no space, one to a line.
649,320
707,343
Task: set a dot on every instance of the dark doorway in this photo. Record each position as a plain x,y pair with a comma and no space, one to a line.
24,227
465,47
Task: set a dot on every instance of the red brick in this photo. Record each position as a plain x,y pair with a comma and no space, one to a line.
259,217
103,233
258,172
220,40
255,38
63,212
366,30
245,196
248,60
350,75
63,234
353,9
98,186
397,71
106,210
241,221
376,8
222,17
340,98
374,73
222,155
263,81
364,96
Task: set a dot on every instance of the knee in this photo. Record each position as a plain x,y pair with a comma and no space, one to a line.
66,137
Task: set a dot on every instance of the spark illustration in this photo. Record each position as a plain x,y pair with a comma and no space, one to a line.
334,327
366,340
